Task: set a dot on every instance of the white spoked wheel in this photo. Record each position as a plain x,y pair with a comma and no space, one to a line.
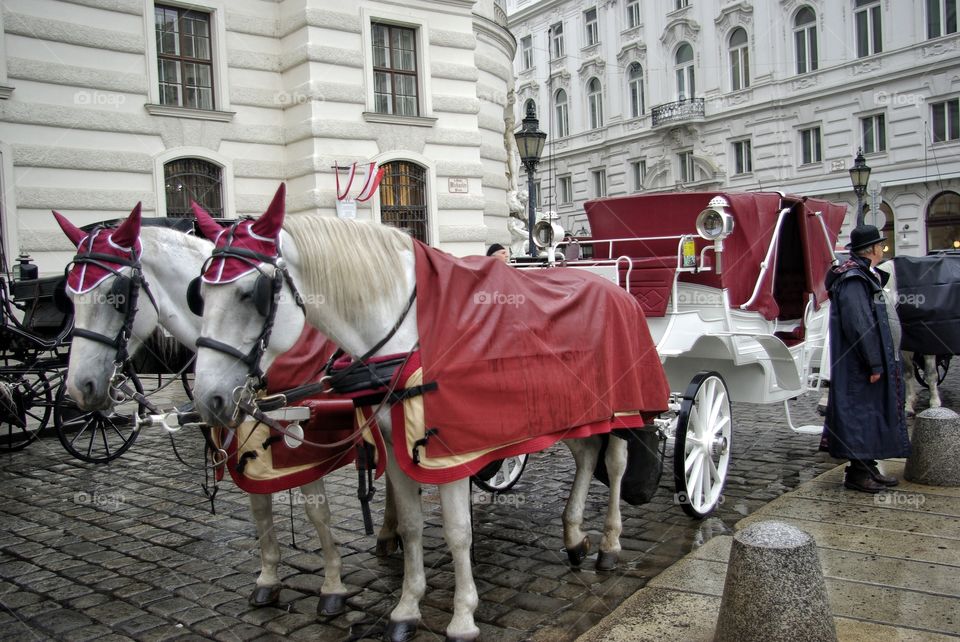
701,455
506,476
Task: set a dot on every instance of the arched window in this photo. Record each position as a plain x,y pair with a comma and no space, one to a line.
739,60
595,103
805,38
686,86
887,227
193,179
943,222
635,87
562,115
403,198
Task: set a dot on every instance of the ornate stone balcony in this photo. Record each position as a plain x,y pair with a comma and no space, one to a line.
677,112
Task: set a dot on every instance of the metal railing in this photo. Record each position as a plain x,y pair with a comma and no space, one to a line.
677,111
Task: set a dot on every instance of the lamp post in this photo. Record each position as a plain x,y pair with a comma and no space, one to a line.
530,142
859,176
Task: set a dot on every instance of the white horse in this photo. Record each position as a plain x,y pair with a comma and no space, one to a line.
168,261
356,281
909,358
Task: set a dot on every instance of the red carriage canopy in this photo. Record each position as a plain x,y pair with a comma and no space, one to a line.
800,260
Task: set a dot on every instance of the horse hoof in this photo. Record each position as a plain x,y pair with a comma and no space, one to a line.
400,631
607,561
579,552
332,604
463,638
265,595
387,546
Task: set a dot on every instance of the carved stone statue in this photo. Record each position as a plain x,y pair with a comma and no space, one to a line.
514,204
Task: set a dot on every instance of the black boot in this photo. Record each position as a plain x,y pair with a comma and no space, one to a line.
857,478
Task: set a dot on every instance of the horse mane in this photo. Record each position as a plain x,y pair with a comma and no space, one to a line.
356,263
156,237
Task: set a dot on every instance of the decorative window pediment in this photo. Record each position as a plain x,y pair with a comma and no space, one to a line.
592,67
560,79
679,30
735,15
631,52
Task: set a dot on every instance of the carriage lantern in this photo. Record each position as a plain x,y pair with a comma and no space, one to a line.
860,176
715,224
530,142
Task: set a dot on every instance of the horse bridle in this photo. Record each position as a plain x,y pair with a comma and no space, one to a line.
266,296
125,290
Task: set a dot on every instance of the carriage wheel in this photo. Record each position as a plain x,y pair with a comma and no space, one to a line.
98,436
704,434
506,476
943,366
25,402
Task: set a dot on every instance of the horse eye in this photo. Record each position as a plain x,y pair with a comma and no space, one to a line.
246,295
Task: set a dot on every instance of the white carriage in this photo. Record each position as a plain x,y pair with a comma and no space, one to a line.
732,287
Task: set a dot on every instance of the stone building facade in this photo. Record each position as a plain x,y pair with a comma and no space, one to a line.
653,95
104,103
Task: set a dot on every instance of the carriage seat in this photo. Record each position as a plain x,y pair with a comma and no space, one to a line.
792,337
651,282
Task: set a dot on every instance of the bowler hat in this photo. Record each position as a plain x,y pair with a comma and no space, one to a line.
864,236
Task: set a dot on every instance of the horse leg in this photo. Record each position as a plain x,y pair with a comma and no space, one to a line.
585,453
909,383
333,594
616,462
457,530
267,590
930,367
406,615
387,540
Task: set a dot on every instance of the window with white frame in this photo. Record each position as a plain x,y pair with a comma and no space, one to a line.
595,103
739,60
810,148
866,17
805,40
686,86
184,57
635,89
591,34
403,198
874,130
537,203
742,157
599,182
639,170
685,163
562,116
633,14
941,17
945,116
556,40
681,4
395,70
526,53
565,189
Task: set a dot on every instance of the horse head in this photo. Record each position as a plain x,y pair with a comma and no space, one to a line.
104,284
250,313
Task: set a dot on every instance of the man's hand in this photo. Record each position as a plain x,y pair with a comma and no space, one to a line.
874,378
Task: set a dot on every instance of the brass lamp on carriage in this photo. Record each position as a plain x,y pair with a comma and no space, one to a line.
715,223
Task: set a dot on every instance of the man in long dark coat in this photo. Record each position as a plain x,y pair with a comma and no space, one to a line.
865,417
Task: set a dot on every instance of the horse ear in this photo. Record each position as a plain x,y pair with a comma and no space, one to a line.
128,232
74,233
269,224
208,226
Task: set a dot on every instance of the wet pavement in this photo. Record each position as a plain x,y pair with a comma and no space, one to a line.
130,550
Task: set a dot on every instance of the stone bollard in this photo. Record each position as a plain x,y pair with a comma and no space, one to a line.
936,449
774,588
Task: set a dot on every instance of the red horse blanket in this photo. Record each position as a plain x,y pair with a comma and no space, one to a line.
522,359
274,465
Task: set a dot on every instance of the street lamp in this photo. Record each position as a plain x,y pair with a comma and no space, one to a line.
530,142
859,176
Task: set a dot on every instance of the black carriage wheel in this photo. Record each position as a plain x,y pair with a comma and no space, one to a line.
506,477
26,399
703,444
98,436
942,365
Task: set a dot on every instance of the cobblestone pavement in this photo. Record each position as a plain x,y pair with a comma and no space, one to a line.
131,550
